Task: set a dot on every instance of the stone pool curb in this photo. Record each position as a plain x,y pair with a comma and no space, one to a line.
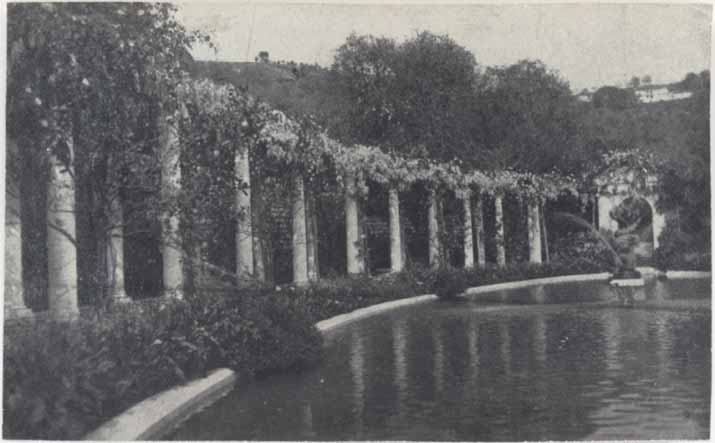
537,281
343,319
158,414
161,412
675,275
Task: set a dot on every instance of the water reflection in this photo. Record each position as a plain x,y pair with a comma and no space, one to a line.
529,371
399,346
357,370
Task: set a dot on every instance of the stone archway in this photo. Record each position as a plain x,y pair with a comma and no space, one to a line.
615,192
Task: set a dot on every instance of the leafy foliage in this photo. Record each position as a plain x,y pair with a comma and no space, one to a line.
61,379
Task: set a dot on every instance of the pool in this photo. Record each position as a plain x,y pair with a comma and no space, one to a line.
558,362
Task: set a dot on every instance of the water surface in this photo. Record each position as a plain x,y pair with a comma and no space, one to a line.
560,362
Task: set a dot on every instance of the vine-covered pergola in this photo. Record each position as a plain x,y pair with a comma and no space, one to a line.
305,150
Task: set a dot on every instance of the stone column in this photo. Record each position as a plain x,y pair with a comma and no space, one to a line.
244,228
534,228
311,238
61,235
355,263
300,253
468,234
115,252
14,301
396,262
499,214
479,230
171,254
433,224
257,211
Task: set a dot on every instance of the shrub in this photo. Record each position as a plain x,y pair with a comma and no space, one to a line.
62,379
582,246
449,283
678,250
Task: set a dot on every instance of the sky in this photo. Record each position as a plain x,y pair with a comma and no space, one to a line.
590,45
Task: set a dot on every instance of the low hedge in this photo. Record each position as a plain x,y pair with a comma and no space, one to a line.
63,379
447,284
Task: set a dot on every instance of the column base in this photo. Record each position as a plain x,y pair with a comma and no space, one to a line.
120,296
173,293
16,312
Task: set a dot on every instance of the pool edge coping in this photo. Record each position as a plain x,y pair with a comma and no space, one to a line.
157,414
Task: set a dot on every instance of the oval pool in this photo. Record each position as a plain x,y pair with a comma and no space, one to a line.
560,362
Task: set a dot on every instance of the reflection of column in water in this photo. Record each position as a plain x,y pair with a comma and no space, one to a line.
399,348
357,369
438,358
473,351
612,331
663,343
539,336
505,347
659,290
308,420
538,294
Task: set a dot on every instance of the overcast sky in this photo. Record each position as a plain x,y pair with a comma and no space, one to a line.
591,45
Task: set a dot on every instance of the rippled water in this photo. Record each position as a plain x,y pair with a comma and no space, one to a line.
516,365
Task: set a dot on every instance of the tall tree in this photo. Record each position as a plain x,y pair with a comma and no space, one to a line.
528,115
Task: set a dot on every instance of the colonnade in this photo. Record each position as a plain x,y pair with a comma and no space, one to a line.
62,251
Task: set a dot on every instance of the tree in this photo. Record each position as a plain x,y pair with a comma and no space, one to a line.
634,83
263,57
615,98
527,113
363,69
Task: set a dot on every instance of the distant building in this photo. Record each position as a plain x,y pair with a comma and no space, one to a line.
659,93
644,94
